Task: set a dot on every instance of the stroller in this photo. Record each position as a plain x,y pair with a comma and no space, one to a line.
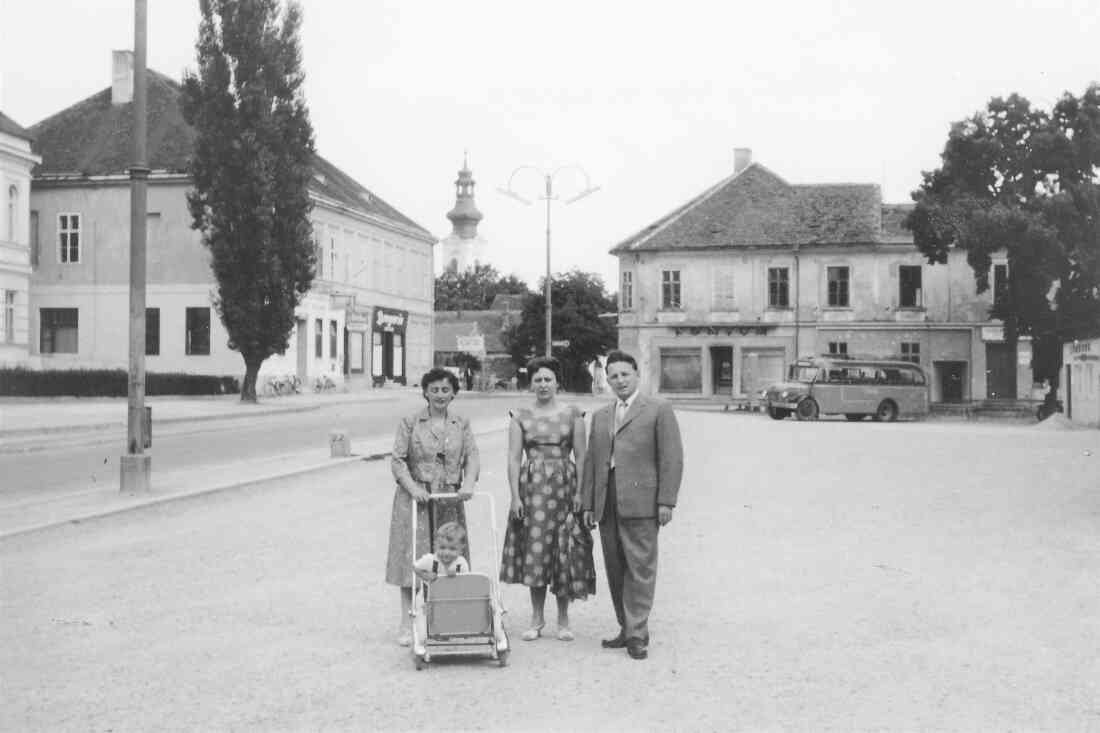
458,613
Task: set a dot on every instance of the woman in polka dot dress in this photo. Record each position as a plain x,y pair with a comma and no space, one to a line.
547,545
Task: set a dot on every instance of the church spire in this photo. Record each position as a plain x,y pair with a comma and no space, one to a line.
464,216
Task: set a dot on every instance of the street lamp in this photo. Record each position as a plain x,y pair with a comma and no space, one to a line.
548,196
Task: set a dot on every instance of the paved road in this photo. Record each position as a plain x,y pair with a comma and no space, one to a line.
826,576
86,460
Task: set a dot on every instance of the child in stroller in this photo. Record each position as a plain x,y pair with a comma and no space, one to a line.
448,561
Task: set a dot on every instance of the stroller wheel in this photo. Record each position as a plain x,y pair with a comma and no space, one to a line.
502,658
418,662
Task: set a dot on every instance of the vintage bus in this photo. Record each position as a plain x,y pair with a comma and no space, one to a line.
856,388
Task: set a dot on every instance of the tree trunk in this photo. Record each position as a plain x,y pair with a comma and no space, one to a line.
251,372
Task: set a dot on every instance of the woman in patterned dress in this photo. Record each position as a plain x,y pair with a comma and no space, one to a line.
433,452
546,544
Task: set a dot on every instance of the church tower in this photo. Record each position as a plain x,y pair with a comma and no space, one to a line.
463,248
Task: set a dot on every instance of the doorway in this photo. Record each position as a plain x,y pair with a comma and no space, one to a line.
1000,371
952,377
721,362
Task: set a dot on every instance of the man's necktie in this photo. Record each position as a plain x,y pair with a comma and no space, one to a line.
620,413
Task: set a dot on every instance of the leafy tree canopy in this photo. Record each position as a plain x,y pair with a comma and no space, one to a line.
1023,180
578,299
251,169
474,289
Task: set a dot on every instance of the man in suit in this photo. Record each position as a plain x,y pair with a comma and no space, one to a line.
631,478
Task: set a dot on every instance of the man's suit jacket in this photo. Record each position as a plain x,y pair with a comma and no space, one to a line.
649,459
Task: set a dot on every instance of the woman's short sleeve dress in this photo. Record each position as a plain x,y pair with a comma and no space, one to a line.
550,546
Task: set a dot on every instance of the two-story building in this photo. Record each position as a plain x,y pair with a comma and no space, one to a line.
367,318
16,162
718,296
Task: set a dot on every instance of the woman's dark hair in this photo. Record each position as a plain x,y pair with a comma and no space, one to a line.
544,362
620,356
436,374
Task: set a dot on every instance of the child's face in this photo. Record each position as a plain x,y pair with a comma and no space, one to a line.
447,551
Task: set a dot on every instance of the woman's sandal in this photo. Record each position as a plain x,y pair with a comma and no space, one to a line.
564,634
533,633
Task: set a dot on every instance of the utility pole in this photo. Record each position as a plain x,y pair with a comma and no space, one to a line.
136,465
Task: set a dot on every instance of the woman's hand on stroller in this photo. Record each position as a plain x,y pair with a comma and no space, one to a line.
465,494
419,494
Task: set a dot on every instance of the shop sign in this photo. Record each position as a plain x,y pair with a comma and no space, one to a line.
389,320
471,344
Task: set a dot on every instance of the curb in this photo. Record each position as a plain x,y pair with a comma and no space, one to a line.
187,494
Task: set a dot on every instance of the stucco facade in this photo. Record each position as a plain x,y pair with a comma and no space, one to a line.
717,298
16,162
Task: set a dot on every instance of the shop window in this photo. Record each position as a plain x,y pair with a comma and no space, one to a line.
779,287
838,286
910,293
152,331
681,370
58,330
197,341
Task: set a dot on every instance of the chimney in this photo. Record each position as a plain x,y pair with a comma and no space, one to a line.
122,77
742,159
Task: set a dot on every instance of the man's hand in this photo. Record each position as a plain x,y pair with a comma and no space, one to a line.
664,515
589,519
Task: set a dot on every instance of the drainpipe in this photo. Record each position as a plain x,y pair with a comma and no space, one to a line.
797,304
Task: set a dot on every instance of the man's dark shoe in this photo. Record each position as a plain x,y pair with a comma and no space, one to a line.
617,642
637,648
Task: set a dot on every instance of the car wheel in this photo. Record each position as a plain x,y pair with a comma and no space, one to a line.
807,409
887,411
853,416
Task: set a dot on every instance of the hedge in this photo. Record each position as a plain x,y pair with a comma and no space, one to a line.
19,382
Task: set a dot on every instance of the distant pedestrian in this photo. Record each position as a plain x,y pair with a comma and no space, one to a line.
547,545
630,484
434,451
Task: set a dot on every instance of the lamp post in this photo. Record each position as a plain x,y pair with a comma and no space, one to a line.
548,196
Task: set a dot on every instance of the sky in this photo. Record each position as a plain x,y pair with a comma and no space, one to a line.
645,101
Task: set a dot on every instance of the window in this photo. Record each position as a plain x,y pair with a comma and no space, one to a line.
9,316
838,347
319,252
152,331
910,294
13,211
681,370
626,297
722,290
779,287
319,338
197,338
910,351
68,236
331,258
1000,284
58,329
670,289
332,339
838,286
34,239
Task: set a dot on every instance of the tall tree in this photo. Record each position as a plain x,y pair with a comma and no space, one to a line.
474,289
579,299
251,169
1020,179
